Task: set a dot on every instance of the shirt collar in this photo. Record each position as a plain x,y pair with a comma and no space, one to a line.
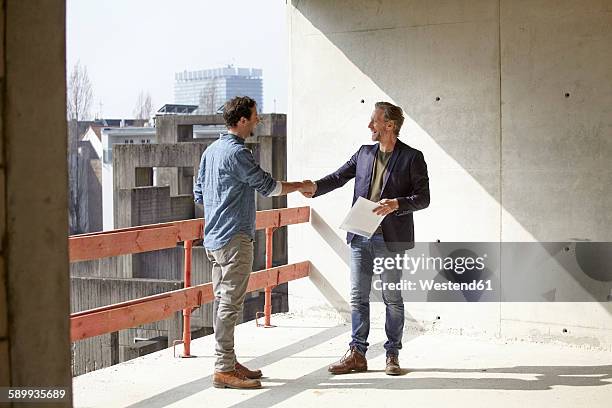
233,136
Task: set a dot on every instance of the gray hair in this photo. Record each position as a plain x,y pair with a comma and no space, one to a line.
392,113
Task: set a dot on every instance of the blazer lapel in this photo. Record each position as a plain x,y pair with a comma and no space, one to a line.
369,166
389,168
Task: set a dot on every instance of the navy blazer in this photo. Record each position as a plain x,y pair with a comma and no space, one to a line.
405,178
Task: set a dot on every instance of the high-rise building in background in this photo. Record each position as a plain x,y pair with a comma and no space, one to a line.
210,88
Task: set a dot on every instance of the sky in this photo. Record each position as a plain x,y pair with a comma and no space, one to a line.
129,46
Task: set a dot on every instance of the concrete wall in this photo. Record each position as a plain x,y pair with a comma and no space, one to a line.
127,158
100,351
73,174
181,207
179,128
142,206
89,197
112,267
483,84
34,285
84,184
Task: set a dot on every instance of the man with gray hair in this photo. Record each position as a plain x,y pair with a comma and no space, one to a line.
394,175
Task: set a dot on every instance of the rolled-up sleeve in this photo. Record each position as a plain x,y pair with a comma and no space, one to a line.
277,190
247,170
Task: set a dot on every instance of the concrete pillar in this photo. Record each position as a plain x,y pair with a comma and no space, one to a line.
35,347
5,367
114,348
175,328
168,176
73,164
185,180
165,129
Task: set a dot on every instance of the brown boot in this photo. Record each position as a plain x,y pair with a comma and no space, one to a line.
393,367
353,360
234,379
252,374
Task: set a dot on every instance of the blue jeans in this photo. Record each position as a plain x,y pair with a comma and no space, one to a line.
363,252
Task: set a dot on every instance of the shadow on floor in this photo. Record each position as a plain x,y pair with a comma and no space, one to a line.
541,377
545,378
186,390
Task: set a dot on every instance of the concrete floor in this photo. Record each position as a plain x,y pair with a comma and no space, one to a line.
442,370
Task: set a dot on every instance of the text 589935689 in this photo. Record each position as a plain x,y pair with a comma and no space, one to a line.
33,394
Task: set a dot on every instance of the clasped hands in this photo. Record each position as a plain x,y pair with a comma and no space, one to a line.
308,188
385,206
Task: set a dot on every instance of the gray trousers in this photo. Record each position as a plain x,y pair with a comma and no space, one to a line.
231,268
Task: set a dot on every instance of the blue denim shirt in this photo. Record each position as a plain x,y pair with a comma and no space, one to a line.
226,184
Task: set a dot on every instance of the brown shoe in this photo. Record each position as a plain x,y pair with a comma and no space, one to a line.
234,379
393,367
252,374
351,361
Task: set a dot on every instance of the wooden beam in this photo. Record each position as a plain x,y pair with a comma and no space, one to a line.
282,217
119,243
149,309
152,237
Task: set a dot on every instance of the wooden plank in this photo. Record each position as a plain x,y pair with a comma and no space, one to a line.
123,241
194,221
85,247
267,218
297,271
149,309
282,217
190,229
112,319
120,243
264,278
296,215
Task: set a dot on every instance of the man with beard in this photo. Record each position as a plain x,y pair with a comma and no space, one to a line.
394,175
227,180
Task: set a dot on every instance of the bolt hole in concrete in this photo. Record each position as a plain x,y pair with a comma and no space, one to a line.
363,101
437,317
567,95
566,249
437,98
564,330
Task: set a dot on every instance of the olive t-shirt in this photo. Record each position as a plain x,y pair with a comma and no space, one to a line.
378,171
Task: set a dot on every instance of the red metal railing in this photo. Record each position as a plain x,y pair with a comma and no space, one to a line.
149,309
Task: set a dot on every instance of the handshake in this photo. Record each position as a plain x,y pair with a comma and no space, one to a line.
307,188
